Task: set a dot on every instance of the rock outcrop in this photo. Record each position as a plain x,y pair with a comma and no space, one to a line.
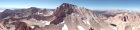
125,21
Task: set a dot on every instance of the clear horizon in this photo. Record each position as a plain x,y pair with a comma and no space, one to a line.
89,4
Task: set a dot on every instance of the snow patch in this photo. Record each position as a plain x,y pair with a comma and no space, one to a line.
80,28
65,27
32,27
46,22
46,15
72,14
113,27
102,29
33,19
63,5
39,13
86,22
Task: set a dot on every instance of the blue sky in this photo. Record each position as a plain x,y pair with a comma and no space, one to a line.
90,4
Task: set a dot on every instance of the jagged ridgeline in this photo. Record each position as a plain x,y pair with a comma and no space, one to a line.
66,17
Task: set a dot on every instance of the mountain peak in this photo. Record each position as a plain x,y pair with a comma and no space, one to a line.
67,5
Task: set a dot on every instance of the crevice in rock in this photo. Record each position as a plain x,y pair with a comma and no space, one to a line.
124,19
113,25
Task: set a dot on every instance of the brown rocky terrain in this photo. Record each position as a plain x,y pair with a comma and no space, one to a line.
68,17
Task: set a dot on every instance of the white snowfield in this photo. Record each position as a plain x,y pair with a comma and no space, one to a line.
86,22
46,22
39,13
65,27
115,28
32,27
102,29
80,28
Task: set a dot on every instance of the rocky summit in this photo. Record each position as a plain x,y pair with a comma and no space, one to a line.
68,17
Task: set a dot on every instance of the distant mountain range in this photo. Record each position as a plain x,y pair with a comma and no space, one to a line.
68,17
8,8
2,9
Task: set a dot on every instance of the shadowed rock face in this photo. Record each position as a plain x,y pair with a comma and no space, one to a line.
61,12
